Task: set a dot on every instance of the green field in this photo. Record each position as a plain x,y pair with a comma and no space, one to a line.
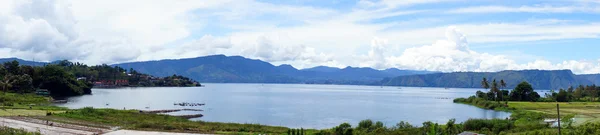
25,112
583,111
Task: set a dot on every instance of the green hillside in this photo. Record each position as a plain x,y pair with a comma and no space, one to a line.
539,79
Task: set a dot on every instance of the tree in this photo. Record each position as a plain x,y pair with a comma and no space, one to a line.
404,125
22,83
6,83
481,94
485,84
524,92
494,89
12,67
562,96
579,92
570,92
3,71
61,83
366,125
343,129
502,86
591,91
451,128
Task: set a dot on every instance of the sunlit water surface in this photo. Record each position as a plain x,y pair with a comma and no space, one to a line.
296,105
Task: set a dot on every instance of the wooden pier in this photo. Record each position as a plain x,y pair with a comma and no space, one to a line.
168,110
188,104
190,116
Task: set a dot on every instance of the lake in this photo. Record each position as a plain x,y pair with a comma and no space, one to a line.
296,105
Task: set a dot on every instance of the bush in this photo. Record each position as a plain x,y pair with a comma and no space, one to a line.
12,131
494,125
480,102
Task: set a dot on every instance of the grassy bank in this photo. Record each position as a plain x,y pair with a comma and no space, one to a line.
12,131
586,115
482,103
132,119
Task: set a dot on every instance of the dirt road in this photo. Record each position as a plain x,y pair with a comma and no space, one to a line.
42,128
37,125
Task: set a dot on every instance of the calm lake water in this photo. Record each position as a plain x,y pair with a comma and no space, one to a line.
297,105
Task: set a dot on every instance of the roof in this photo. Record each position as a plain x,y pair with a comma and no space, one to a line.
469,133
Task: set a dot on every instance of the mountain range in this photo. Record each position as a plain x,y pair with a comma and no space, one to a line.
237,69
539,79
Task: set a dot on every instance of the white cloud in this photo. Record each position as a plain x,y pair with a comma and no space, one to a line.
273,49
32,28
528,9
453,54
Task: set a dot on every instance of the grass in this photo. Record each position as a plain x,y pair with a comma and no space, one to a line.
25,112
25,99
12,131
29,104
482,103
14,104
584,111
131,119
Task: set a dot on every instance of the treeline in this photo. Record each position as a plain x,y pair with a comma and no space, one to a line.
65,78
25,79
525,92
105,73
521,123
522,92
581,94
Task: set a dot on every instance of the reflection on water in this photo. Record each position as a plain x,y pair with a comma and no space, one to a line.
297,105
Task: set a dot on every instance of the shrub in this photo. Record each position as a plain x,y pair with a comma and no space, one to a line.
495,125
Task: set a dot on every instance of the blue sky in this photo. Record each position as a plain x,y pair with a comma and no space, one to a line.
439,35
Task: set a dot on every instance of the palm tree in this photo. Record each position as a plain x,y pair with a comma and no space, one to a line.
485,84
495,90
502,85
6,83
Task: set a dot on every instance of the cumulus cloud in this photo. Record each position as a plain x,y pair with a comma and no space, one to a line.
453,54
529,9
375,58
43,28
274,50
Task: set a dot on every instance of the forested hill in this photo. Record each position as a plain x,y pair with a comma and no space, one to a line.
237,69
64,78
539,79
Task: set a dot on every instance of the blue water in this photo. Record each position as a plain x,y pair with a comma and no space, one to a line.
297,105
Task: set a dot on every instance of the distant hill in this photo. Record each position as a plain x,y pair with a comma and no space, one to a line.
322,69
237,69
23,62
539,79
593,78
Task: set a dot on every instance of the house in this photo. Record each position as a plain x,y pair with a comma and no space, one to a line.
43,92
122,82
469,133
81,78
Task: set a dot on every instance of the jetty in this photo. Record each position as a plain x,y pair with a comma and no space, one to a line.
168,110
189,116
188,104
59,101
